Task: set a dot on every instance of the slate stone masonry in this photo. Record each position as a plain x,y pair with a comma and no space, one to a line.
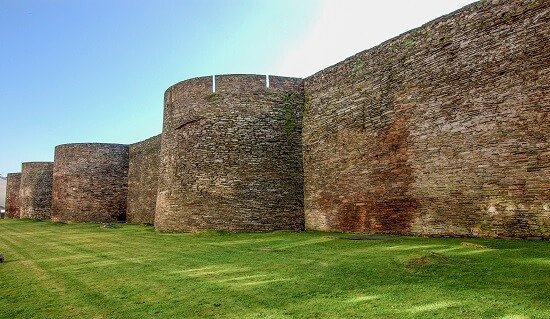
90,182
441,131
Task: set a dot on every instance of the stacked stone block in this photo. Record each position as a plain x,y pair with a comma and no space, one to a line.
440,131
36,190
231,159
143,180
90,182
13,207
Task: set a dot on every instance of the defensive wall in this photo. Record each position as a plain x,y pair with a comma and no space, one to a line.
440,131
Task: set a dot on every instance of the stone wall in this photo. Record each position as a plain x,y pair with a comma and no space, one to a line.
143,180
440,131
231,160
90,182
12,195
35,192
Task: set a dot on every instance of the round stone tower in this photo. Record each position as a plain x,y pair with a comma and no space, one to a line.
36,190
12,195
231,156
90,182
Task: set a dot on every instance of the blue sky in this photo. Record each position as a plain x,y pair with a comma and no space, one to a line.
96,70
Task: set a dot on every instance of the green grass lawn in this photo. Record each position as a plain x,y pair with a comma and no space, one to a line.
87,271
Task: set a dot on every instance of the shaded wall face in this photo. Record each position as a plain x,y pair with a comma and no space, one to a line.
90,182
143,180
12,195
36,190
441,131
231,160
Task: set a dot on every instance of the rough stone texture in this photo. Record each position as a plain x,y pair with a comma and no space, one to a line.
443,130
35,192
231,160
12,195
90,182
143,180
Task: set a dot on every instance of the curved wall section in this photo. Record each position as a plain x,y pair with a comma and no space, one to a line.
231,160
90,182
13,208
36,190
143,180
440,131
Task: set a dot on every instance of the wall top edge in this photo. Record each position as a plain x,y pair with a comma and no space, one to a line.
35,163
221,77
388,42
92,145
13,174
147,139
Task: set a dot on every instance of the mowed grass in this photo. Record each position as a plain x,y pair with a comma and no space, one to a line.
87,271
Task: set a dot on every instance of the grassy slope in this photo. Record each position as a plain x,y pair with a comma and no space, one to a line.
85,271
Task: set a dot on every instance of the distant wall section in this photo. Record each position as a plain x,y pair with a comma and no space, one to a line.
143,180
36,190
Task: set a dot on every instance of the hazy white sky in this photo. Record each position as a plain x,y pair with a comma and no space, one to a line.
345,27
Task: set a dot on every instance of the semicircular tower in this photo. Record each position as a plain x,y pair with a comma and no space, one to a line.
12,195
231,156
90,182
35,191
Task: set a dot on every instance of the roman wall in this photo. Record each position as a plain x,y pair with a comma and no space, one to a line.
12,195
35,190
231,159
440,131
90,182
144,158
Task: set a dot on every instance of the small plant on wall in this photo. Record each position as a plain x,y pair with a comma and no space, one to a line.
213,97
358,66
289,114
